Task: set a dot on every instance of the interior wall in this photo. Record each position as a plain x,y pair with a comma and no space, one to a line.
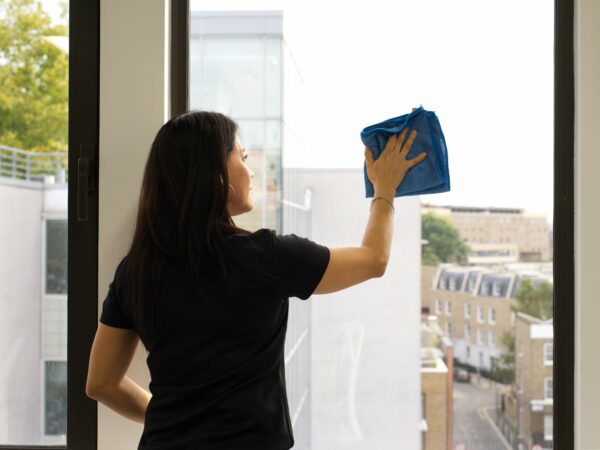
133,106
587,223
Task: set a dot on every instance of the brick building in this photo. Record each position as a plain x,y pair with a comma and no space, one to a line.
499,234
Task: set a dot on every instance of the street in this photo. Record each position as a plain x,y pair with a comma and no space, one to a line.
472,426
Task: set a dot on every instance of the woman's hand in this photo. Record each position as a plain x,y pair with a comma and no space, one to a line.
388,171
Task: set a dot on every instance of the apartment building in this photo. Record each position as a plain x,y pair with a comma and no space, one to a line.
498,235
533,387
436,385
473,304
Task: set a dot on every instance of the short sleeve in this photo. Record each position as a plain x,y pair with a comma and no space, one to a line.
113,309
299,265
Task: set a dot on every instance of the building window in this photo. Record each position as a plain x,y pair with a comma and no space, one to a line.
548,389
55,394
468,352
56,257
448,328
448,308
468,332
471,284
452,284
548,427
492,338
496,289
467,310
485,288
480,314
491,315
479,337
548,354
444,284
438,307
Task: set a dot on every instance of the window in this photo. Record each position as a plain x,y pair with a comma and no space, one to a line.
480,318
452,283
448,308
56,257
492,338
491,315
548,425
485,288
471,284
468,352
548,354
55,398
438,306
468,332
548,389
444,284
448,329
467,310
496,289
479,337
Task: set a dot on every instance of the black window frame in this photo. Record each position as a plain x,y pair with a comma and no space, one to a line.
563,217
82,266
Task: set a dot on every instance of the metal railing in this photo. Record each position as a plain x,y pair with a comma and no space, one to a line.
27,165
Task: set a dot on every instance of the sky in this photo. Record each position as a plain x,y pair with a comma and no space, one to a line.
484,67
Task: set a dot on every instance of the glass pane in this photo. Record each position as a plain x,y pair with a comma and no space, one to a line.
475,372
34,65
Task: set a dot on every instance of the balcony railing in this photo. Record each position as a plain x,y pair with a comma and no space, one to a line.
26,165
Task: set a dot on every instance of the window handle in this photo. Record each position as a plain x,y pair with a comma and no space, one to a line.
85,180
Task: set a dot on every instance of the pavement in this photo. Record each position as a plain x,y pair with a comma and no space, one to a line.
474,427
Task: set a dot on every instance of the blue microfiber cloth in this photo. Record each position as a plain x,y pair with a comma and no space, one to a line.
431,175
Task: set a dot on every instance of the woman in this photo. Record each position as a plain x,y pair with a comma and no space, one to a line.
209,300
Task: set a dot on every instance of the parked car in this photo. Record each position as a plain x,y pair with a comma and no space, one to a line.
461,374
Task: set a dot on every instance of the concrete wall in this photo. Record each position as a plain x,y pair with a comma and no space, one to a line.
365,339
20,295
587,223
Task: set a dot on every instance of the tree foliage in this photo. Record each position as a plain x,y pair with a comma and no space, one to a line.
33,78
537,301
445,244
503,366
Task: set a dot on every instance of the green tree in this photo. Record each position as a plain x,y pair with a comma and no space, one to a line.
33,78
537,301
503,367
444,244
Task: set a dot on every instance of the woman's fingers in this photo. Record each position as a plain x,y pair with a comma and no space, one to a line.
411,138
417,159
368,156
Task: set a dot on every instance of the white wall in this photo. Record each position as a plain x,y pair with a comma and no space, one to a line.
587,223
365,339
133,106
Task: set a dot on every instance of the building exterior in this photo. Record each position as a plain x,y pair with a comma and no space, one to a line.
533,387
498,235
365,366
237,67
436,386
33,298
473,304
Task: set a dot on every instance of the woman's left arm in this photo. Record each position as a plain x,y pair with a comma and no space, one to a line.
107,382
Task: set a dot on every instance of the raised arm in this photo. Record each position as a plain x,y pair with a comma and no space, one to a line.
353,265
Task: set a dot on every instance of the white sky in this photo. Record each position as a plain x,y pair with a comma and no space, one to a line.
485,67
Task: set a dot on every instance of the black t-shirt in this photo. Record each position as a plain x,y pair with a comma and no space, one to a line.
217,363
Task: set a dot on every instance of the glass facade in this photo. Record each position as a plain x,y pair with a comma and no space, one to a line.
237,70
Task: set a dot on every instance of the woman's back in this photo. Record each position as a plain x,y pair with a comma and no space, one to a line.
217,359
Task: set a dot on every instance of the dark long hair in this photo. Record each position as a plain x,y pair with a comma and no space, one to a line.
182,214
